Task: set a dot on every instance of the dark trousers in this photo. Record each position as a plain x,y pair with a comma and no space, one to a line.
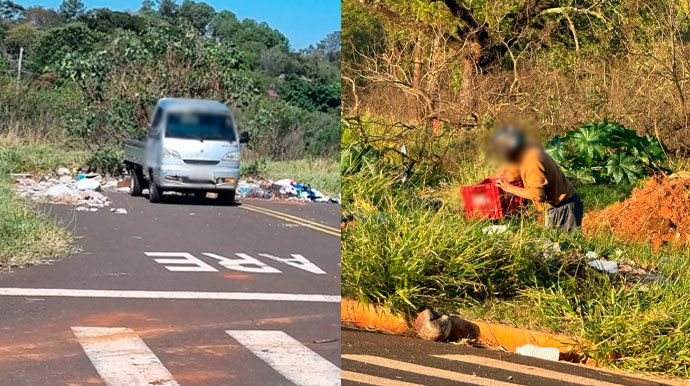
567,215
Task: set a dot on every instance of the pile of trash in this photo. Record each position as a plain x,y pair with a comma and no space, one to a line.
285,188
658,213
84,191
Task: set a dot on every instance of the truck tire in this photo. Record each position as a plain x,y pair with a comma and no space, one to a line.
135,185
154,192
227,197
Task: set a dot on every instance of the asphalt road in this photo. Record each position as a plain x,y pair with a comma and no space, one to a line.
179,293
375,359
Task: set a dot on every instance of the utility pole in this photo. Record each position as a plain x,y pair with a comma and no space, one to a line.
19,63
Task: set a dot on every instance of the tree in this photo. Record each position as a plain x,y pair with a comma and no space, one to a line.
10,10
147,6
42,18
23,35
168,8
330,46
224,25
198,14
71,9
55,43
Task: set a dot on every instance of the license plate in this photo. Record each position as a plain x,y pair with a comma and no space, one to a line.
200,175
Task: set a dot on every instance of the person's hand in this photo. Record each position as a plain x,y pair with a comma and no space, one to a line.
505,185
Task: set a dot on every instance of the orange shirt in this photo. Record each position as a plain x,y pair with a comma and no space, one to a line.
541,176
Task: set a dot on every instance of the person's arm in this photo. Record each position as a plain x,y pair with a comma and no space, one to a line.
535,182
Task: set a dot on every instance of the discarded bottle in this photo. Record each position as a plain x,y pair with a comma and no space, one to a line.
547,353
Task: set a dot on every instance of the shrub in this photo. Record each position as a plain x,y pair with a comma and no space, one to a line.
606,152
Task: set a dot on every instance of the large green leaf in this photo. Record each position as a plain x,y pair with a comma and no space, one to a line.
582,176
588,142
557,149
621,165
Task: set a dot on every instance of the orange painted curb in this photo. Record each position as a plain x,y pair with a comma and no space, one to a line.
490,334
370,316
510,338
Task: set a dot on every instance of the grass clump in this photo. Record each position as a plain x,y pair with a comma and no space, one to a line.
408,255
28,235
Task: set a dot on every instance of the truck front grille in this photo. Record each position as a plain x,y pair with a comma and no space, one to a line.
200,162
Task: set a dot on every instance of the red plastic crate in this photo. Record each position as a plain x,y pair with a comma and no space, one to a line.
486,200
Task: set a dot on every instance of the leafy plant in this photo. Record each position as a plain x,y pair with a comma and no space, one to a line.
606,152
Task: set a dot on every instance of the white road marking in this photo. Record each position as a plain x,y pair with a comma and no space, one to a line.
532,370
289,357
189,262
374,380
245,263
122,358
135,294
297,261
425,370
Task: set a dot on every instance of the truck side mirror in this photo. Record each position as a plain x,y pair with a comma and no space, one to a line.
244,137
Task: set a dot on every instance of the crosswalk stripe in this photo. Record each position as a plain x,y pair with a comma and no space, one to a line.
289,357
374,380
425,370
525,369
121,358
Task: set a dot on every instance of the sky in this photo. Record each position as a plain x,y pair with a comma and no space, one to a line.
304,22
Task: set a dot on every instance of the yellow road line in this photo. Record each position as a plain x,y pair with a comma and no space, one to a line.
294,219
373,380
426,370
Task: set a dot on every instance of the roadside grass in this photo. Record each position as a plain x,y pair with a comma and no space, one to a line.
27,234
404,254
321,173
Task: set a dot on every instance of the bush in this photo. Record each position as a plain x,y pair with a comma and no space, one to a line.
606,152
106,160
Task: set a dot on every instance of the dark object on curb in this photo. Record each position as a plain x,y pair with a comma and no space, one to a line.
430,325
487,200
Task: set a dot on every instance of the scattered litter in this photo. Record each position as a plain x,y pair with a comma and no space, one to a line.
88,184
494,229
604,266
119,210
64,190
326,340
63,172
546,353
591,255
285,188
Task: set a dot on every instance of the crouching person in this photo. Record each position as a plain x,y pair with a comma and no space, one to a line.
543,180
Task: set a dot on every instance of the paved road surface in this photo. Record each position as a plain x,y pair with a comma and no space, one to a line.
383,360
181,293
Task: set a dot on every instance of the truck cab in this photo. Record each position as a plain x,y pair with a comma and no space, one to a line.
192,146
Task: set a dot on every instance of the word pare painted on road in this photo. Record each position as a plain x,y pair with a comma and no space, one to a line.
186,262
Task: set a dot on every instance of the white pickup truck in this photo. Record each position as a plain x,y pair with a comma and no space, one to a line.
192,146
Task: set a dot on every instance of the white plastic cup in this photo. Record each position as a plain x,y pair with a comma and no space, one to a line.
546,353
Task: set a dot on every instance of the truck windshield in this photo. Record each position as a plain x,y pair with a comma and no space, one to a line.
201,126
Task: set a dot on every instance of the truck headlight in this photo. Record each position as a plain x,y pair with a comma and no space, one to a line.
170,153
232,156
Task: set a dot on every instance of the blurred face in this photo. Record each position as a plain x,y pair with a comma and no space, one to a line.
507,144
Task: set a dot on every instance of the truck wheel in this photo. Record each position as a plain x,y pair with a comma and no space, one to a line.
135,182
154,192
227,198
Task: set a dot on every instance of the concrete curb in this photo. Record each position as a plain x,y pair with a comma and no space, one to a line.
371,317
494,335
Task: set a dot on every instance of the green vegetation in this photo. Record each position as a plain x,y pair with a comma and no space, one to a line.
437,76
406,255
28,234
91,78
606,152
